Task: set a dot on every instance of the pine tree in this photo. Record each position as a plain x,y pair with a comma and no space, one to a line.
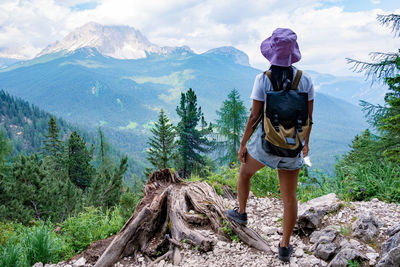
52,143
191,141
385,67
162,143
80,171
230,124
103,155
5,151
106,189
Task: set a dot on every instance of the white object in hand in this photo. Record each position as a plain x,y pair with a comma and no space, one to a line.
307,161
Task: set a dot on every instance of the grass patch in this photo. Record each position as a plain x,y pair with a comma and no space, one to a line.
345,230
228,231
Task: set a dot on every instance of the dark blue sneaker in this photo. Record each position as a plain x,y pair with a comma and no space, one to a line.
285,253
236,216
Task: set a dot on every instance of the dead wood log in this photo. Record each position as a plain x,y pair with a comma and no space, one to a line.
172,211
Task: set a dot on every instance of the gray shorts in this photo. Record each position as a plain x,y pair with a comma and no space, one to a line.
254,148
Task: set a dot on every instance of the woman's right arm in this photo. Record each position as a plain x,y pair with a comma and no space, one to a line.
255,113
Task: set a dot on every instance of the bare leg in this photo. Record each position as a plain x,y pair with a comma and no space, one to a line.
288,187
247,170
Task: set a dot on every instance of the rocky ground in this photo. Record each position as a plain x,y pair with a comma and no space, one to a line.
346,233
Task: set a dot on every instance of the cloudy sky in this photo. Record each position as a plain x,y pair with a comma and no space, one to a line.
328,30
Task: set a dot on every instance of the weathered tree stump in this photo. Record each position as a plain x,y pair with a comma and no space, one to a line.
171,211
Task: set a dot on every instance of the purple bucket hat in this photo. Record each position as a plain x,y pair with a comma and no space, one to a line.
281,49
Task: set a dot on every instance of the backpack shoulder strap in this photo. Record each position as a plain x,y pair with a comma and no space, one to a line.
268,73
297,78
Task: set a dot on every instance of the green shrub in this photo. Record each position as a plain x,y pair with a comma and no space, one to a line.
225,176
312,184
228,231
265,182
10,255
376,179
7,230
40,244
91,225
128,203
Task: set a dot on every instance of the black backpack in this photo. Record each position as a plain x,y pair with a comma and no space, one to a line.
285,120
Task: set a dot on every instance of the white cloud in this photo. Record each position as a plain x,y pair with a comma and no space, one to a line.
326,35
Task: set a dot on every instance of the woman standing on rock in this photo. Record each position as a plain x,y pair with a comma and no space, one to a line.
281,50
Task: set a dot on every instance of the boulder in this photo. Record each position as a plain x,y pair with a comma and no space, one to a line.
328,234
393,230
324,250
80,262
323,247
345,255
311,213
372,258
38,264
366,227
390,259
391,243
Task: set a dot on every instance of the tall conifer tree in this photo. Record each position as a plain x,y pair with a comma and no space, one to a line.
191,141
80,171
52,143
162,142
385,67
232,118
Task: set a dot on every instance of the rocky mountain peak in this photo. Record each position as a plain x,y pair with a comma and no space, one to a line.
122,42
239,56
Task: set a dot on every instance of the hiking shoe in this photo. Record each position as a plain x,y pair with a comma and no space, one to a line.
285,253
236,216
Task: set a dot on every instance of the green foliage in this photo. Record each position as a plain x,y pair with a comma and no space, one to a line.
229,232
89,226
80,171
225,176
231,122
371,168
52,143
38,245
28,245
162,143
265,182
353,263
7,230
10,256
106,188
191,140
345,230
128,203
364,181
5,149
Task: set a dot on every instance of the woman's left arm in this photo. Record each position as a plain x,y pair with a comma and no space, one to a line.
310,111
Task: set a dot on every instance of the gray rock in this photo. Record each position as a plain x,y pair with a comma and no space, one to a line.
393,230
269,230
328,234
299,253
80,262
324,250
38,264
372,258
311,213
354,243
390,259
346,254
50,265
366,227
391,243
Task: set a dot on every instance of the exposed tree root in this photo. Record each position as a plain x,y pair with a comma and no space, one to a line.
172,211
